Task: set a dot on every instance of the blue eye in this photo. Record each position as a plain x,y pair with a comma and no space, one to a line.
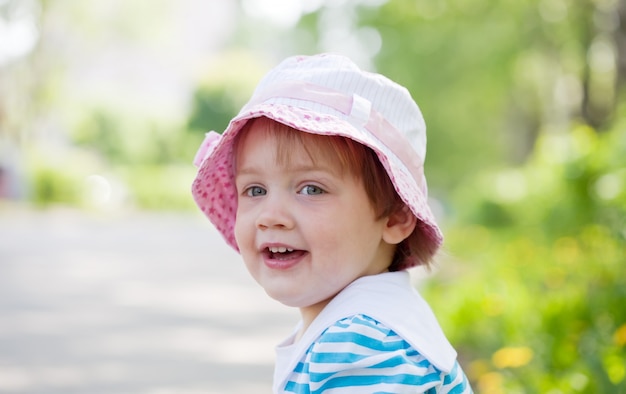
311,190
255,191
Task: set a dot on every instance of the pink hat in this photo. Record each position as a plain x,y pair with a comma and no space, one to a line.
328,95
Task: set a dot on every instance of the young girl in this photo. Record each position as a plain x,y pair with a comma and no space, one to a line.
319,184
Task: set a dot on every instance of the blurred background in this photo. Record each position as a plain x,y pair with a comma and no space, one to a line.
112,282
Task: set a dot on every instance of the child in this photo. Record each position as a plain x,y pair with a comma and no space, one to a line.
319,184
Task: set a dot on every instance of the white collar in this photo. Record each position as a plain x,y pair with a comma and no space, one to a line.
388,298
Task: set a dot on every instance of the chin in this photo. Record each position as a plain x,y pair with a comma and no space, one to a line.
291,300
286,300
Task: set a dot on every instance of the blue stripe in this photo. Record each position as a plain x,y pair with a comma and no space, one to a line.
317,377
371,323
363,340
389,363
459,388
341,324
410,352
358,381
339,358
297,388
302,368
451,377
401,360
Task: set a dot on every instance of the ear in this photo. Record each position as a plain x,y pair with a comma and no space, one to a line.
399,226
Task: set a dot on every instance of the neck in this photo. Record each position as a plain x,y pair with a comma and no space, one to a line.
308,314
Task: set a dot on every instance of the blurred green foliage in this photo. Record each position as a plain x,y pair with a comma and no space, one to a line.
142,163
218,98
537,302
524,102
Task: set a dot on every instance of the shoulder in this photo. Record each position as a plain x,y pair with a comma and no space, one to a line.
359,334
359,351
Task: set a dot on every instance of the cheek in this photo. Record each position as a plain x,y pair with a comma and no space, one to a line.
331,240
245,242
244,231
356,238
237,230
252,267
241,231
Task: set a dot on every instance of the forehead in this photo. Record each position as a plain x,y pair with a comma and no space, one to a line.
287,146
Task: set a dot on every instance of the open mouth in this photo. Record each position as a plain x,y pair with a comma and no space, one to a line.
283,253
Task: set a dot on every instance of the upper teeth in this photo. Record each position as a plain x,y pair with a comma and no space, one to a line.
279,249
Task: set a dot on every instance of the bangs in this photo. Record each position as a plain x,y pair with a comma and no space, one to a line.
341,153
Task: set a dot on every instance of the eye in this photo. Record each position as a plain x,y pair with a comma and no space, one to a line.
255,191
311,190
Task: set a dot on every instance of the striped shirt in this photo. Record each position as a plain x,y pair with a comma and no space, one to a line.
378,335
360,355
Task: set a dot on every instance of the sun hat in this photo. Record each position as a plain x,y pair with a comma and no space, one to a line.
326,94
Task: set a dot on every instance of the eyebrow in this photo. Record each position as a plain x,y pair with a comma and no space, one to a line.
295,169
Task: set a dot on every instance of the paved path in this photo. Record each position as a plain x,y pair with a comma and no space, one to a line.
129,303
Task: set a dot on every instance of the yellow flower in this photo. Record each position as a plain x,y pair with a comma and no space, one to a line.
477,368
620,335
512,357
491,383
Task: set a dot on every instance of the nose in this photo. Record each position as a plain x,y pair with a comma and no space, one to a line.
275,213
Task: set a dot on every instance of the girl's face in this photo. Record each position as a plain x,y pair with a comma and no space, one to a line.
305,228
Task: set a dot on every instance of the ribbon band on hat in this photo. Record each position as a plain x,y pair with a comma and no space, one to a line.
356,108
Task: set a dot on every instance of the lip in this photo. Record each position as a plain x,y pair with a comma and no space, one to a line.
280,261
